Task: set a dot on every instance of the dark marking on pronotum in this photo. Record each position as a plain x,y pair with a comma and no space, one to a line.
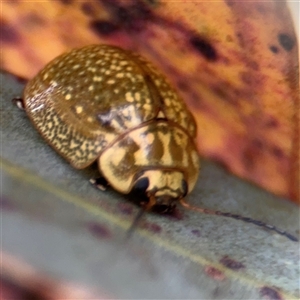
286,41
231,264
274,49
103,27
99,230
214,273
204,47
270,293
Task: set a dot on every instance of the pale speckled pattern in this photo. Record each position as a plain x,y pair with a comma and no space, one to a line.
81,101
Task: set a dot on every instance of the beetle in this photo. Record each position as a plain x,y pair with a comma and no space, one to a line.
105,104
110,105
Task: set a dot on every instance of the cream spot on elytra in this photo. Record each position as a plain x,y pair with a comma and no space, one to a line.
78,109
97,78
129,97
137,96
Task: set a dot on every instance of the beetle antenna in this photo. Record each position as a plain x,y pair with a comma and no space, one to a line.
238,217
139,215
135,222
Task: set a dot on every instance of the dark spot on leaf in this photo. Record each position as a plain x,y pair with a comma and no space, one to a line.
11,289
137,11
250,78
286,41
257,143
272,123
231,264
214,273
222,90
152,2
152,227
123,14
33,20
66,2
277,152
252,64
176,214
270,293
183,86
241,39
9,34
250,154
99,230
230,2
196,232
204,48
274,49
103,28
125,208
130,17
6,204
87,8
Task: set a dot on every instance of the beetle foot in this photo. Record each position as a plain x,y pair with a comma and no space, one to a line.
100,183
19,102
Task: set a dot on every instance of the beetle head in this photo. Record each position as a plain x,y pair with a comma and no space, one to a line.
159,190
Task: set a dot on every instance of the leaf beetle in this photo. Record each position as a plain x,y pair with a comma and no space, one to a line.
104,103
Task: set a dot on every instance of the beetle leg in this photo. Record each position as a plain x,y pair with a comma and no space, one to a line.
19,102
100,183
